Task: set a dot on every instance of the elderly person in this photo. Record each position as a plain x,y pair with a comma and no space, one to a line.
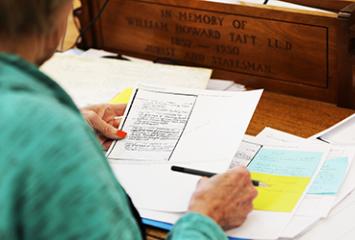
55,182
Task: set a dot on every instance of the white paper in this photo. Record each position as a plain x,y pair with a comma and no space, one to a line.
246,152
339,225
341,133
298,226
156,121
90,80
236,87
152,185
259,224
277,136
96,53
217,84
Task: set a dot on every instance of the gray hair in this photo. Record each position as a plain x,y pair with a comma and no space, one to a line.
21,17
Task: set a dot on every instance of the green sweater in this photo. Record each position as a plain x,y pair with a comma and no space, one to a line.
55,182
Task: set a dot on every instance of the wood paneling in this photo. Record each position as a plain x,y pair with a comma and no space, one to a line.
294,52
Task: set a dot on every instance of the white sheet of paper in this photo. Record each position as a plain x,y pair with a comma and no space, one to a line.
298,226
259,224
277,136
96,53
341,133
199,147
217,84
338,225
91,80
236,87
248,148
101,53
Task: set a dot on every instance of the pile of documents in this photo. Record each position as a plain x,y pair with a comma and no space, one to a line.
307,179
172,120
97,76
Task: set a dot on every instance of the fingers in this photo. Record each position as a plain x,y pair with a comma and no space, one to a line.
105,143
118,109
112,111
102,127
115,122
227,198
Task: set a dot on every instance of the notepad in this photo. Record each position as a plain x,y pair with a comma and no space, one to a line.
288,172
283,162
330,177
282,193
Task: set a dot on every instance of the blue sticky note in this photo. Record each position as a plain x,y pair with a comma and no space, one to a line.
286,162
330,177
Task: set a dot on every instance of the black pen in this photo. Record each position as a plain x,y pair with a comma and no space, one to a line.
209,174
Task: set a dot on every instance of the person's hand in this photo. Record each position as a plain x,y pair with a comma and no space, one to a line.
104,120
226,198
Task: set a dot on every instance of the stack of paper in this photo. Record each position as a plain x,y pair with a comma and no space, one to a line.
96,76
91,80
286,162
333,183
177,127
288,170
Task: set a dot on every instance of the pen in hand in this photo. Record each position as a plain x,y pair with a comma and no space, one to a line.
255,183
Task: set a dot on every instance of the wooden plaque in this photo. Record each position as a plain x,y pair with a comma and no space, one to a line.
294,52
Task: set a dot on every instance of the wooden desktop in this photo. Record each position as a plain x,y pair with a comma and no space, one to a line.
299,116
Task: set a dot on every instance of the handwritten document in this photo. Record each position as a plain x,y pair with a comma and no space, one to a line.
287,172
285,162
156,120
330,177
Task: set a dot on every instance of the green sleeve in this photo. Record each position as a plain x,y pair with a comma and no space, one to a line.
195,226
69,191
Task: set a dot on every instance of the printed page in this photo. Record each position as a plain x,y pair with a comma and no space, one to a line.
155,122
246,153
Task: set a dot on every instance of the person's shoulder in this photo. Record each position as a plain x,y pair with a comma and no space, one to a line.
40,122
34,111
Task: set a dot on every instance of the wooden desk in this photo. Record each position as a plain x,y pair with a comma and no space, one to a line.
295,115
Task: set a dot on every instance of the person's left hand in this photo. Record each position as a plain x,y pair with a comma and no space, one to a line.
104,120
